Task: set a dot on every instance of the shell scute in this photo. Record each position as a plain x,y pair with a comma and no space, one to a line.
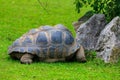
44,52
47,27
22,50
32,31
30,50
41,38
27,41
69,40
37,51
16,43
55,38
16,49
59,51
52,52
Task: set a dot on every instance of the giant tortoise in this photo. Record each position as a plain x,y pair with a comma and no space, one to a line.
48,44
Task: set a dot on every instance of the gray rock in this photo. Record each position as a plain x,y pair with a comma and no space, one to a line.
108,45
82,19
88,32
77,24
86,16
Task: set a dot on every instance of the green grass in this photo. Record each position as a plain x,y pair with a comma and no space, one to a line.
17,17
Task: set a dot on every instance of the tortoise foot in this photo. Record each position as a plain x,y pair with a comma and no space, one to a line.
82,60
26,59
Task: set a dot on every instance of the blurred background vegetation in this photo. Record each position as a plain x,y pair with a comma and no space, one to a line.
111,8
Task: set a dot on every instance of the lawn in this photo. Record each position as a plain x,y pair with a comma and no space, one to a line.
17,17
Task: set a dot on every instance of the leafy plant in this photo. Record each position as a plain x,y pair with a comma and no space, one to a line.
110,8
90,55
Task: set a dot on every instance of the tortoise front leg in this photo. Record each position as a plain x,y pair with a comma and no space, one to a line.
80,55
27,58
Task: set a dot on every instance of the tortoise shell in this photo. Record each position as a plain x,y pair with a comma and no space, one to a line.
46,41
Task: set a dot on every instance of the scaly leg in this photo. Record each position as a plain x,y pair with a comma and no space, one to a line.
80,55
27,58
